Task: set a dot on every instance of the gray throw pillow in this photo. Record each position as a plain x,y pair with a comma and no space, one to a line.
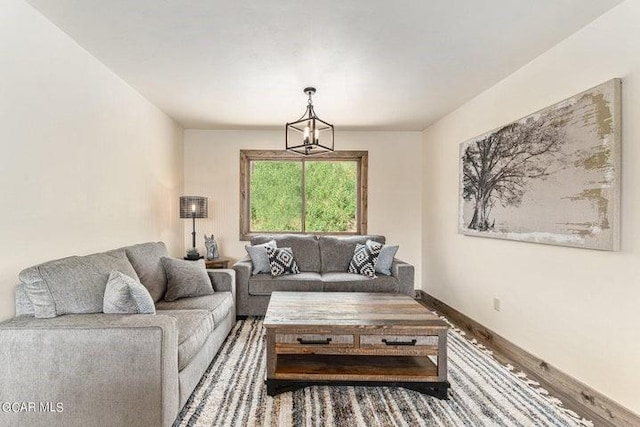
145,259
365,258
125,295
385,259
259,257
186,278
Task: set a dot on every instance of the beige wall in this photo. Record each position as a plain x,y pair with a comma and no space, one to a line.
211,164
87,164
575,308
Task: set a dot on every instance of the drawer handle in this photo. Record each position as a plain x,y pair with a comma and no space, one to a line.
314,342
412,342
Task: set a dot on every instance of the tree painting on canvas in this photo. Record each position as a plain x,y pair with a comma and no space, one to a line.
552,177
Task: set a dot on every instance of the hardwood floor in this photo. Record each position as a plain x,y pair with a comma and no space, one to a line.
575,395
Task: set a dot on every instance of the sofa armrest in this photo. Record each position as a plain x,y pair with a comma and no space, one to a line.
223,280
405,273
243,269
85,369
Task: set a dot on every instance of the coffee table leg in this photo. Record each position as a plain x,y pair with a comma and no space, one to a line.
272,388
441,391
438,390
275,387
272,360
442,355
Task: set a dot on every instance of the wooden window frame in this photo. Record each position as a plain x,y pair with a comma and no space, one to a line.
247,156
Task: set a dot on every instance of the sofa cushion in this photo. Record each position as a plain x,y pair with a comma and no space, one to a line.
365,258
145,259
336,252
349,282
219,304
73,285
194,327
264,284
304,246
282,261
125,295
186,279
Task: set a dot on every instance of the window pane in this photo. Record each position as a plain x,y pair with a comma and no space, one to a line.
276,196
331,195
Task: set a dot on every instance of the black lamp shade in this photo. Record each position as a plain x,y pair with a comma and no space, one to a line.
193,204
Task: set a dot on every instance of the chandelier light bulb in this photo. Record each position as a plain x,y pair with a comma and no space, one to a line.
306,135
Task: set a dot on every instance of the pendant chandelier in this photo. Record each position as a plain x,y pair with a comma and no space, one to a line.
309,135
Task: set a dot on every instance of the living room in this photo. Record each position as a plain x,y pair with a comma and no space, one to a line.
92,163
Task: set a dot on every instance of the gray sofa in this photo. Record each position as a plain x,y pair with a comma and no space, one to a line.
323,262
89,368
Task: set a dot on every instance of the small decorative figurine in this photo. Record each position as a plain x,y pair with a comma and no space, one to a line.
212,247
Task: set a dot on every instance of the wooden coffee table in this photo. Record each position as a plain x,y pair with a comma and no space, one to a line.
347,338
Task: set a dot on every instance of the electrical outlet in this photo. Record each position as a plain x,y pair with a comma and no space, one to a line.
496,304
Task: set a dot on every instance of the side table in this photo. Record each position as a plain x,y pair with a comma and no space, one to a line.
220,262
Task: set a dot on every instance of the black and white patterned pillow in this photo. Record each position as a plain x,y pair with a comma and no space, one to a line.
281,261
365,258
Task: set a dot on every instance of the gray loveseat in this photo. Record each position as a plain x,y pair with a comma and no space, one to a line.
90,368
323,262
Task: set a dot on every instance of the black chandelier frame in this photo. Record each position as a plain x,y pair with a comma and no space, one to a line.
310,130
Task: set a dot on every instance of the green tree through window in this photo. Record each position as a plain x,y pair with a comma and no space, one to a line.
276,202
281,192
331,196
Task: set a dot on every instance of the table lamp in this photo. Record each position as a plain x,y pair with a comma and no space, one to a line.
193,207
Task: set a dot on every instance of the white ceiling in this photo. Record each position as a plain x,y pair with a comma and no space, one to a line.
377,64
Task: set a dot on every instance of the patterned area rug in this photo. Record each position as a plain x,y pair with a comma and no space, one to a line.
483,393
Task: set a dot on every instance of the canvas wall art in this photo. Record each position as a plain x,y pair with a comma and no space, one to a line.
552,177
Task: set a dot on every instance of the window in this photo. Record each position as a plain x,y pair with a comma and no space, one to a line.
282,192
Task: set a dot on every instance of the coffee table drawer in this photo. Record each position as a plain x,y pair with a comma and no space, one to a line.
324,340
382,341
